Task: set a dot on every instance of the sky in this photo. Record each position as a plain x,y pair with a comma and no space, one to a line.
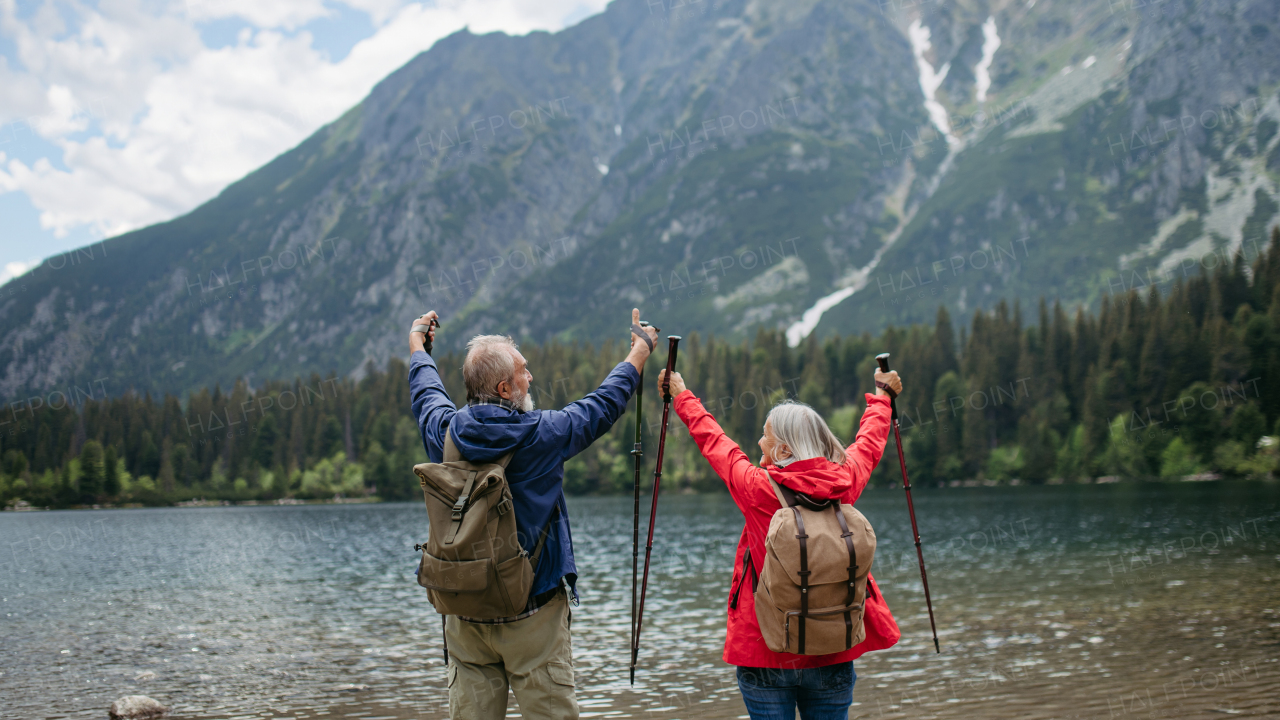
118,114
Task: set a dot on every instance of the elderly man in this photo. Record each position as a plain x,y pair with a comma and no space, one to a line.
531,652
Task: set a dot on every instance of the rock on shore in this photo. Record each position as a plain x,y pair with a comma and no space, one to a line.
136,707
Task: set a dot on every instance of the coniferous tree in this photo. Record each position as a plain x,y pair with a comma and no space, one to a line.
92,473
111,472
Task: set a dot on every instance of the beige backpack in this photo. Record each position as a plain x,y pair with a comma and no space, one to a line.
812,587
472,563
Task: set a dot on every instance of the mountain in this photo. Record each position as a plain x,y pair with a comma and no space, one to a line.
720,163
1134,143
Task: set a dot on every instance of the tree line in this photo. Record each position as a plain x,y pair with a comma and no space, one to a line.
1158,382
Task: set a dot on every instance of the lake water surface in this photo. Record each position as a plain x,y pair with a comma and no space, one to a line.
1096,601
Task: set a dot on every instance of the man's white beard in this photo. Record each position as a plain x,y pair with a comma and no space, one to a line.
524,401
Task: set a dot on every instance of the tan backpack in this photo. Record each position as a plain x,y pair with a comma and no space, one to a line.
472,563
810,596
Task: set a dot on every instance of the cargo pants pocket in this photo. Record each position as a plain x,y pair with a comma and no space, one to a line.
561,673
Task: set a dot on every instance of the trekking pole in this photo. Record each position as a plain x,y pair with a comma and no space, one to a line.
653,511
637,451
883,359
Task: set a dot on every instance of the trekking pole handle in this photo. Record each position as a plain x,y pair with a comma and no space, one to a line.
426,333
883,359
672,350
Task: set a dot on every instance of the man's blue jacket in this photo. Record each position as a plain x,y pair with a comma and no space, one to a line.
543,440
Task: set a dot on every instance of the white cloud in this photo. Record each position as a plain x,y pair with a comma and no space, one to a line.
287,14
14,269
20,94
378,10
62,115
177,121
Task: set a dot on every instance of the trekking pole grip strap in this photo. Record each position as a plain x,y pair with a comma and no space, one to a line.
639,331
426,334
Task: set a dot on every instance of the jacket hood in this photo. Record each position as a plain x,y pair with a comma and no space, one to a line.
484,433
818,478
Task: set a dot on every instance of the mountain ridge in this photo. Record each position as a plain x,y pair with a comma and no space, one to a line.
618,151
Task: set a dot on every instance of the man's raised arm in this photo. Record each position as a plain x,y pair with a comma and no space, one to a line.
585,420
428,400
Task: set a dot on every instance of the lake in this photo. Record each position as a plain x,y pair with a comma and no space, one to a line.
1074,601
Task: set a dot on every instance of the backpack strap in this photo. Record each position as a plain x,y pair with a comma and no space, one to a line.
804,572
786,497
459,508
451,453
853,575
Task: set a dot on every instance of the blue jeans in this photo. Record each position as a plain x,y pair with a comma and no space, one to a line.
823,693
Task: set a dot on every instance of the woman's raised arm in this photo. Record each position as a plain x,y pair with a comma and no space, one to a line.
873,431
726,458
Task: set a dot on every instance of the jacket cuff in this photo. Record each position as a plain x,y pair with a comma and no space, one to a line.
881,399
626,367
633,375
420,357
682,402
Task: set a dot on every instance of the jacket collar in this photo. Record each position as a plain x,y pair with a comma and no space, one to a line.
500,402
816,477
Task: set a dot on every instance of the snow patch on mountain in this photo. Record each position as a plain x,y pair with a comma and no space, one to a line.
982,71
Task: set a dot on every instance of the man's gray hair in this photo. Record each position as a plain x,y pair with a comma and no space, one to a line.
803,430
490,360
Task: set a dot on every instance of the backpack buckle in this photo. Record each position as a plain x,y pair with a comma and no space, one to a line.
459,506
461,503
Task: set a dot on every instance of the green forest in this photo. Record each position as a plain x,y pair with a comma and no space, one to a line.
1167,380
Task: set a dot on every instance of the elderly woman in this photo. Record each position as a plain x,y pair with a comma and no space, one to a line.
802,454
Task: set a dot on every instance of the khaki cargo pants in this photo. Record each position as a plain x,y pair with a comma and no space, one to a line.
533,657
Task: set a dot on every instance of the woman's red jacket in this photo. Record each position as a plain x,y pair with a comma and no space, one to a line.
819,478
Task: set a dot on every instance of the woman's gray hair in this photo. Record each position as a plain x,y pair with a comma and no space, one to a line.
804,432
490,361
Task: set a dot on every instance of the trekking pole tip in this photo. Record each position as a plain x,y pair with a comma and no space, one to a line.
633,675
935,646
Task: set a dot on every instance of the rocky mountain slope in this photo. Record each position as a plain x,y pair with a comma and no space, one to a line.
1133,143
720,163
